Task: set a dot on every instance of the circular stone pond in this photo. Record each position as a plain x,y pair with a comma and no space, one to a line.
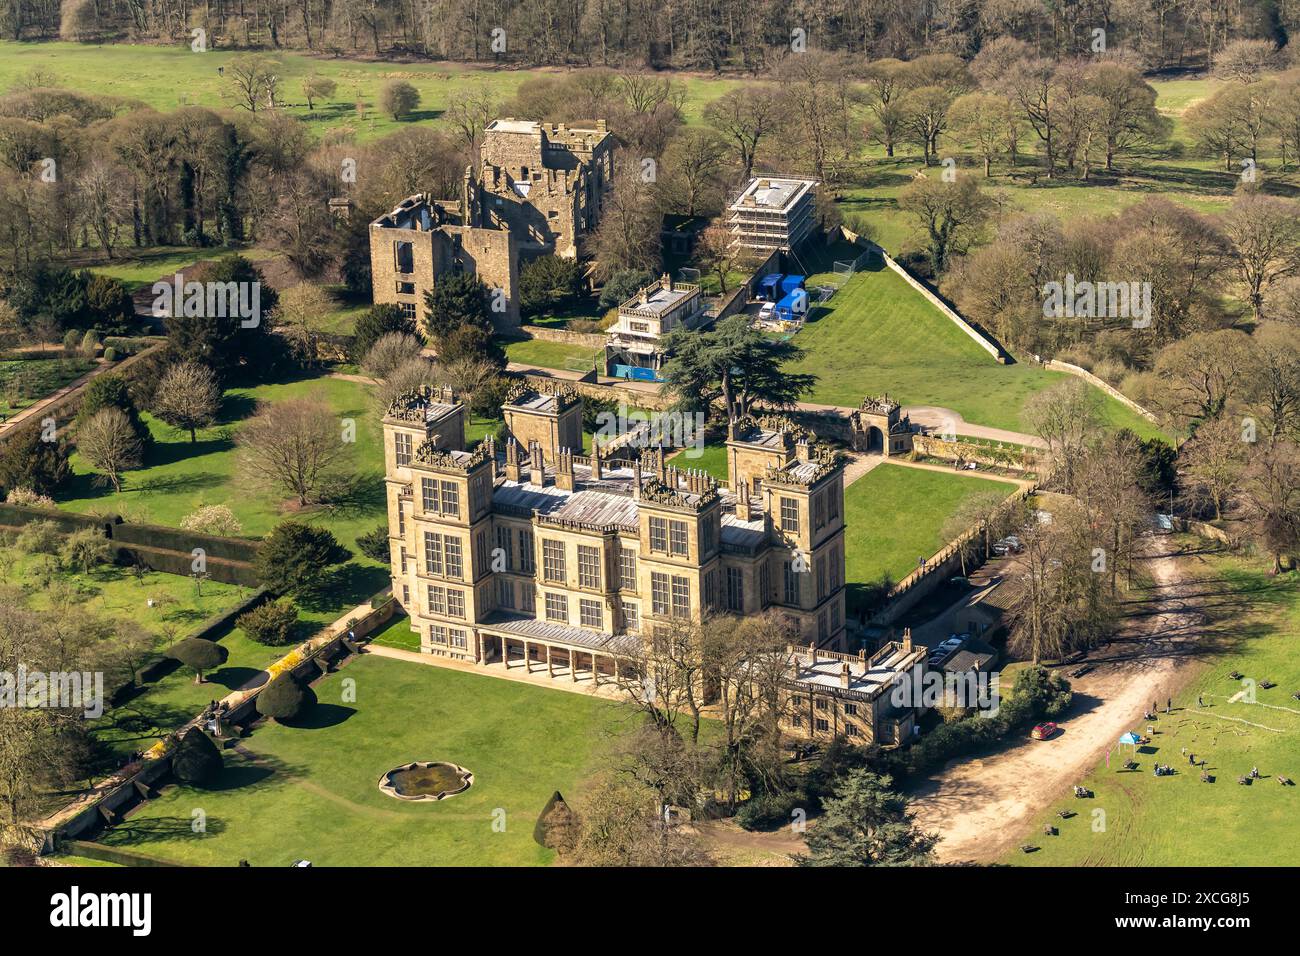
426,780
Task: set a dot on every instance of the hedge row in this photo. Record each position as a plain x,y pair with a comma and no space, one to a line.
17,516
146,536
170,539
174,562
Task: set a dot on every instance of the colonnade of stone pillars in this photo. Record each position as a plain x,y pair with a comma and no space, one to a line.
574,658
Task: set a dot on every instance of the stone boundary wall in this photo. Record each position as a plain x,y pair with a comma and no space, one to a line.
997,454
1105,386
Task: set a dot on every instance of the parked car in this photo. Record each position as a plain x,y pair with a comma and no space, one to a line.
1008,545
1043,731
767,311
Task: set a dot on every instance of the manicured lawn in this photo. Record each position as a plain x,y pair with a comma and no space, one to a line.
27,380
895,514
712,458
310,791
398,634
879,335
110,591
557,355
180,477
1178,820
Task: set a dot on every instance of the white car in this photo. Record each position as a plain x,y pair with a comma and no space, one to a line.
767,311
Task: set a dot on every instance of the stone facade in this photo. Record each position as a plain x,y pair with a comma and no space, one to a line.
537,190
536,553
851,695
879,425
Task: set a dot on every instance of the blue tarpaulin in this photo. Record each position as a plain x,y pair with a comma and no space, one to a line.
769,286
793,307
790,283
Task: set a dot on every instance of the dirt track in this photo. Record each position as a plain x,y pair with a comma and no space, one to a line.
983,807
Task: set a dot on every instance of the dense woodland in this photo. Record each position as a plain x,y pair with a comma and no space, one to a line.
680,34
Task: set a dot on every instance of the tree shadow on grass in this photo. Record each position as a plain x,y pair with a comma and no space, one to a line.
235,407
232,678
354,496
345,587
321,717
141,831
172,452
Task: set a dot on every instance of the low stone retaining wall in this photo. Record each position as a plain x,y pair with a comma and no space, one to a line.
995,454
593,340
1102,384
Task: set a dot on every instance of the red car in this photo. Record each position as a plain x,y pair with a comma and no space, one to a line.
1043,731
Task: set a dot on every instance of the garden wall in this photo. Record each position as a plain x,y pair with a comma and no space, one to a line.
994,454
1105,386
586,339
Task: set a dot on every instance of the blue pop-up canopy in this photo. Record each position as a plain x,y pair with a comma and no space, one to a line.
1129,738
768,286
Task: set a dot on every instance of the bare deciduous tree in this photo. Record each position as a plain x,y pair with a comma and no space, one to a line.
109,442
188,397
291,444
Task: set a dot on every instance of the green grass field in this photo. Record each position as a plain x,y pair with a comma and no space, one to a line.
310,791
140,721
179,477
558,355
166,77
1178,820
397,633
111,591
878,335
894,514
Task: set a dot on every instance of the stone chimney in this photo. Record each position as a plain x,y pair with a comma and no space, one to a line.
513,469
490,445
564,469
802,450
846,678
742,501
536,465
907,639
636,480
596,462
812,651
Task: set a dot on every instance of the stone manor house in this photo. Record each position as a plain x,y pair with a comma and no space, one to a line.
535,555
538,189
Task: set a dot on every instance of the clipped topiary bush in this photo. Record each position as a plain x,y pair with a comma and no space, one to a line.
285,699
197,761
270,623
198,655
